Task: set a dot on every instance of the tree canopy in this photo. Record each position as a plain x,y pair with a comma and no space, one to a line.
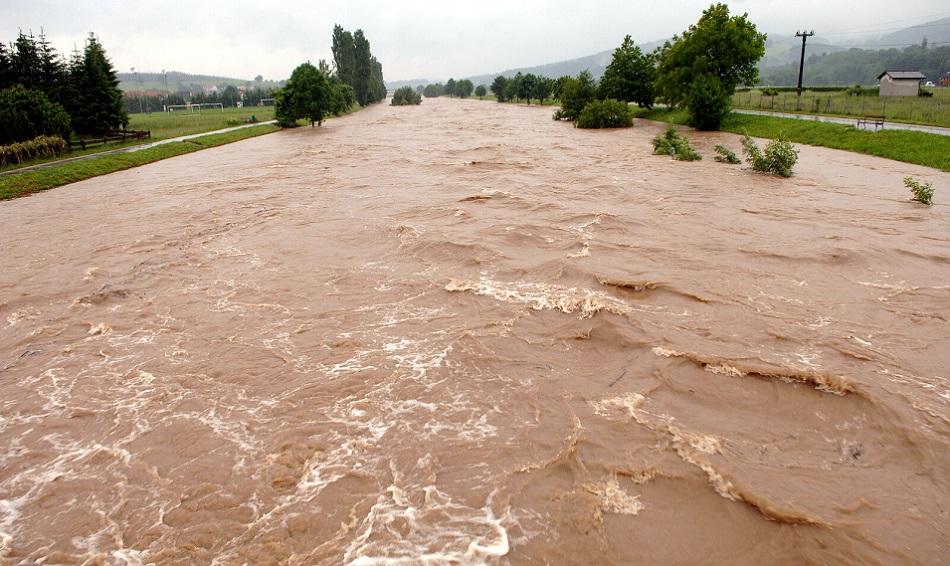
356,66
307,95
701,69
629,76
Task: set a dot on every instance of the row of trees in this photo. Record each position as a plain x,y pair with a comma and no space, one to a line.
314,93
698,70
356,66
524,87
42,93
461,89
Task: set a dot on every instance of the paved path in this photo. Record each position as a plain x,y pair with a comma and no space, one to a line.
128,149
849,121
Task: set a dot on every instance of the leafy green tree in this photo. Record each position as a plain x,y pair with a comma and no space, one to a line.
480,91
629,76
513,86
306,95
27,113
498,87
433,90
701,69
464,88
344,97
230,96
363,68
94,101
542,88
526,87
576,93
450,86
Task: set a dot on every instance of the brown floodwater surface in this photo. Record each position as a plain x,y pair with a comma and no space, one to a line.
463,333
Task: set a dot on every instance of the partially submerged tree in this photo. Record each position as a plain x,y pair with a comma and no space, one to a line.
576,92
307,94
406,96
463,88
701,69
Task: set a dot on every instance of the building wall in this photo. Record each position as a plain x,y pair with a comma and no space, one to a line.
890,87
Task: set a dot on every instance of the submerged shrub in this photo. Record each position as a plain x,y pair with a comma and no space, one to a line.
726,155
923,192
778,158
670,143
406,96
605,114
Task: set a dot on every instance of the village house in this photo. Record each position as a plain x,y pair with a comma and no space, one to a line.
945,80
900,83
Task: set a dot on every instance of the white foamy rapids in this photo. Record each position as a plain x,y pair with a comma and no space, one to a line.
420,524
541,296
614,499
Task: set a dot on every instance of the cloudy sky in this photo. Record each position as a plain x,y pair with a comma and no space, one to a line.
413,38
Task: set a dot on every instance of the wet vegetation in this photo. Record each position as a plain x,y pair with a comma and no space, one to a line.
406,96
608,113
778,158
923,192
726,155
931,150
672,144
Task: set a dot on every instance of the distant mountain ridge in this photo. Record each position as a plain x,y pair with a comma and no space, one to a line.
781,55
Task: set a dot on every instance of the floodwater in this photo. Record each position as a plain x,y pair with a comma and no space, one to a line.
465,333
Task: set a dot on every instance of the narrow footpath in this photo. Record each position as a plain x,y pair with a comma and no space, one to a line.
848,121
129,149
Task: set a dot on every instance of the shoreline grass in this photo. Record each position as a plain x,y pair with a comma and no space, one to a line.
23,184
919,148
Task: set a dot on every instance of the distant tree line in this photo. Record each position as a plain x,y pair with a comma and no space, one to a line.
452,87
862,66
315,92
43,93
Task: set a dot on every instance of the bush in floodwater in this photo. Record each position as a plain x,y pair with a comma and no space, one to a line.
605,114
406,96
726,155
670,143
778,158
923,192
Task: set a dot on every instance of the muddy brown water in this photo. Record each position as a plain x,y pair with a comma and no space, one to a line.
464,333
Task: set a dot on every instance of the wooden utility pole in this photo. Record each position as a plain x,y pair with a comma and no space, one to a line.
801,66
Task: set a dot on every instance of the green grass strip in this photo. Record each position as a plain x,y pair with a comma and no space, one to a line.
18,185
931,150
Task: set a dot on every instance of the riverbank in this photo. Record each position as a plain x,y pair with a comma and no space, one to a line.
931,150
24,183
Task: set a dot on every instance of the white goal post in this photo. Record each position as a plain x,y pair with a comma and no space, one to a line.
194,107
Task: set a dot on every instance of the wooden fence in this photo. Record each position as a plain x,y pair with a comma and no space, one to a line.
111,136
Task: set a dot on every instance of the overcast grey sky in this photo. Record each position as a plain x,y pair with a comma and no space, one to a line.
412,38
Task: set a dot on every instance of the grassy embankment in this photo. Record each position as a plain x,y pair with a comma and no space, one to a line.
932,111
931,150
164,125
13,186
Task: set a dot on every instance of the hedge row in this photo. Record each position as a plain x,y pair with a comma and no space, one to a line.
37,148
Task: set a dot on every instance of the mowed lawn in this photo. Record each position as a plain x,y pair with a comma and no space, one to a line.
165,125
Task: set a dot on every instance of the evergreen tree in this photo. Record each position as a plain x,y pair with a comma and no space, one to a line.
95,101
629,76
7,75
25,60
